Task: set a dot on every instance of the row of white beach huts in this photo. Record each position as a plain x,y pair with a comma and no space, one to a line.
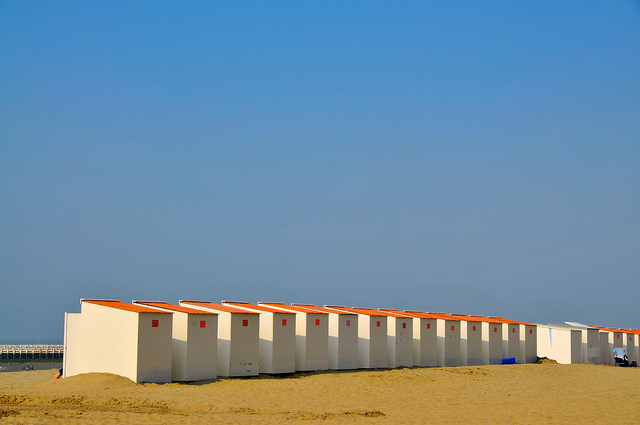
195,340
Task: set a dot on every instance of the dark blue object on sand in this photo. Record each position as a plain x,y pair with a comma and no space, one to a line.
510,360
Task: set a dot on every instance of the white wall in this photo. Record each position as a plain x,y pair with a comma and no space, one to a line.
618,339
194,343
179,347
591,346
372,341
399,342
496,346
277,346
125,343
283,342
202,347
576,346
109,341
425,342
561,344
316,341
606,348
452,343
343,341
474,339
632,347
244,344
238,345
154,347
529,341
512,338
72,344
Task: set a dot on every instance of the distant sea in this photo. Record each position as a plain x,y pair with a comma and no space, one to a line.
17,367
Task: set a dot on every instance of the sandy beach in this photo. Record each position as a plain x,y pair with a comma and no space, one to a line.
516,394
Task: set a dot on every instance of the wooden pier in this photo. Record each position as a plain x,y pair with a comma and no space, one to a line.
14,352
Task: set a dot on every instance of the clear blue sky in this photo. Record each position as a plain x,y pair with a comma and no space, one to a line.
466,157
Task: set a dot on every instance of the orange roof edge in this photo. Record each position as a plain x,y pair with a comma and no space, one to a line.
394,313
297,309
99,299
241,305
369,311
219,307
172,307
325,309
124,306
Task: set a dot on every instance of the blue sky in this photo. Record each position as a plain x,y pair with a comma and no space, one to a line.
466,157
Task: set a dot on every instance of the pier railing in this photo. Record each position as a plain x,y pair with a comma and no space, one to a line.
48,351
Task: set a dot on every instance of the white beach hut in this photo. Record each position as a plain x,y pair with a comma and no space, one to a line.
591,345
474,335
590,342
194,354
631,339
110,336
529,341
277,337
451,346
372,337
312,336
561,343
425,337
605,347
493,350
238,338
618,339
343,337
612,338
72,344
513,345
399,339
631,344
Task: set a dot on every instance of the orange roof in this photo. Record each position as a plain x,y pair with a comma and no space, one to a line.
172,307
485,319
255,307
358,310
470,318
297,309
218,307
394,313
420,314
607,329
445,316
124,306
509,321
416,314
325,310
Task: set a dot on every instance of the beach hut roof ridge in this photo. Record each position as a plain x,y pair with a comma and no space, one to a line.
172,307
393,313
469,318
510,322
365,310
124,306
296,309
219,307
420,314
445,316
325,309
259,307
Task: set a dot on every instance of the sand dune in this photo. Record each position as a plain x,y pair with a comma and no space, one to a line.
523,394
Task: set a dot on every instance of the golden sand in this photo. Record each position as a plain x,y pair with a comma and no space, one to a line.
514,394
